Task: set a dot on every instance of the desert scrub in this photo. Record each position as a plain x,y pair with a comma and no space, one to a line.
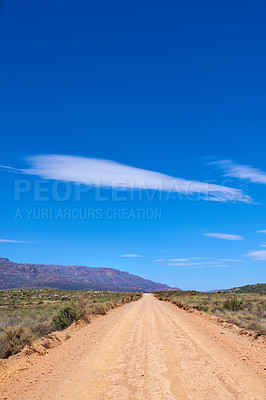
14,339
233,303
246,310
65,317
29,314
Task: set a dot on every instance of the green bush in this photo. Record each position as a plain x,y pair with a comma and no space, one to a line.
65,317
233,303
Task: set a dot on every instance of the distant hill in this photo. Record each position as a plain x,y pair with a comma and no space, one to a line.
257,288
72,277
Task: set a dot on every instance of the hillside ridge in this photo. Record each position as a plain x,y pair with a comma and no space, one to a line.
72,277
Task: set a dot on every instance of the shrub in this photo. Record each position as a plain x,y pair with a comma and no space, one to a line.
65,298
13,340
260,311
233,303
41,329
65,317
82,309
99,309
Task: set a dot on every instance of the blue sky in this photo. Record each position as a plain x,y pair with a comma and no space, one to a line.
110,107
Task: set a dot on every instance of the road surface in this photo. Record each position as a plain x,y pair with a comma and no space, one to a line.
145,350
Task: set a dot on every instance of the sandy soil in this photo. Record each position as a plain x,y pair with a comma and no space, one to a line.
145,350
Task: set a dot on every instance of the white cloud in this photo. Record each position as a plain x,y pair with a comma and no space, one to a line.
259,255
241,171
199,265
262,245
129,255
195,263
213,266
225,236
109,174
175,262
263,231
15,241
183,259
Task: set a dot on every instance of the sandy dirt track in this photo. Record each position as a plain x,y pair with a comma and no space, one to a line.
145,350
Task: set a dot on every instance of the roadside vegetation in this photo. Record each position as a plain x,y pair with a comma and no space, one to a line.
29,314
246,310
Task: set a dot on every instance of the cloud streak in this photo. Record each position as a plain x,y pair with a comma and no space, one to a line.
182,259
195,263
241,171
198,265
259,255
198,262
15,241
225,236
130,255
109,174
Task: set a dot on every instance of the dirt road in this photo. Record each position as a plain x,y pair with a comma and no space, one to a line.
145,350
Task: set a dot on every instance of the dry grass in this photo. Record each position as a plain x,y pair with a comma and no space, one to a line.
246,310
29,314
14,339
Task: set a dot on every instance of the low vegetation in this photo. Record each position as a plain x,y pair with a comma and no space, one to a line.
246,310
257,288
29,314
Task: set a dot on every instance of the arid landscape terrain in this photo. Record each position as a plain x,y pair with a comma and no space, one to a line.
244,309
133,187
147,349
30,314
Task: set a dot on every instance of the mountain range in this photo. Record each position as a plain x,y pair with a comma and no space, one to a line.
72,277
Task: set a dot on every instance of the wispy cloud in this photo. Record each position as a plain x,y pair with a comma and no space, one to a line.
195,263
130,255
213,266
199,262
263,231
198,265
109,174
241,171
182,259
15,241
225,236
259,255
